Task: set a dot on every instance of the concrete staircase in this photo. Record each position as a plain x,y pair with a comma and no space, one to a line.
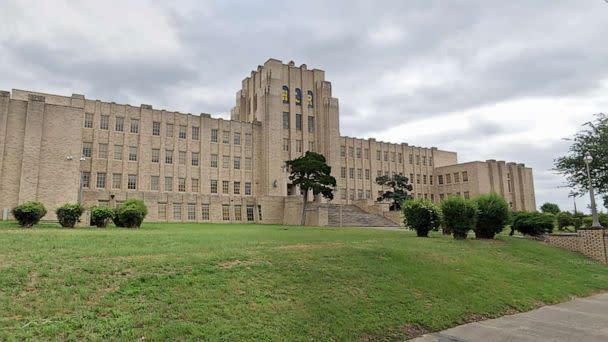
353,216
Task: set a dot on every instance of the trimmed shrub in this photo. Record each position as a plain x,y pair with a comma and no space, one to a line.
533,223
587,221
603,217
101,215
130,214
69,214
564,220
421,216
29,213
459,216
578,220
550,208
492,215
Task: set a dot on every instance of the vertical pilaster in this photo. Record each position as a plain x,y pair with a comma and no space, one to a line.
5,98
30,164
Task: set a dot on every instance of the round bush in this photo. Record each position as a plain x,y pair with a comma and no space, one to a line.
459,216
533,223
69,214
29,213
492,215
130,214
421,215
101,215
564,220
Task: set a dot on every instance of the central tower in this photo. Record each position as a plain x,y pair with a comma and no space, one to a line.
297,113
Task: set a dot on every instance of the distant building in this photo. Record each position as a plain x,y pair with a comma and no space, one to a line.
198,168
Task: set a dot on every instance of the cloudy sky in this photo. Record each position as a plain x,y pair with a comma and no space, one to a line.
490,79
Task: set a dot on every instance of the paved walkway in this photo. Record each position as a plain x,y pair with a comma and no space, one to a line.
583,319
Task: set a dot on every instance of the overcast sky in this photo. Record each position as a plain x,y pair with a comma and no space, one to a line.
489,79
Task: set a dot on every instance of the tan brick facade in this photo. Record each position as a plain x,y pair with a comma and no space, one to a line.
592,243
198,168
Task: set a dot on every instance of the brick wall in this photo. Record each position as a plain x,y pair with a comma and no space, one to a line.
592,243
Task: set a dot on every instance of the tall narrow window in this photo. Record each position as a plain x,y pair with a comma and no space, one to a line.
237,188
134,126
214,160
248,139
226,137
191,211
168,183
154,183
103,151
311,124
247,188
86,179
133,153
205,211
237,212
132,182
118,152
101,180
310,99
285,144
299,122
214,135
169,132
88,120
168,157
120,124
247,163
182,132
155,155
86,149
104,122
285,94
116,180
213,186
194,158
286,120
298,97
181,184
195,133
225,187
155,128
237,138
182,157
194,185
177,211
226,212
237,163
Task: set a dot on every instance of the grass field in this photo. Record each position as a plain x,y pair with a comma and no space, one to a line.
255,282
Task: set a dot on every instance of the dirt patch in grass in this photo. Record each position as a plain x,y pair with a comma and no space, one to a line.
407,332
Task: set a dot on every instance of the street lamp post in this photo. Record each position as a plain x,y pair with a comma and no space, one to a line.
596,221
80,190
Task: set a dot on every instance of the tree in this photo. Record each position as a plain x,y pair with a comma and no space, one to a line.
397,192
492,215
422,216
550,208
593,140
564,219
459,216
311,172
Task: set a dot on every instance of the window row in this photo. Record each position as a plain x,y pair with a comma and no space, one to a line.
353,194
457,177
234,212
236,162
287,122
102,179
285,96
384,155
465,194
299,145
227,189
236,137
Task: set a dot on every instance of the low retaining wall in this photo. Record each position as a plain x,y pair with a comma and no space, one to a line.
591,242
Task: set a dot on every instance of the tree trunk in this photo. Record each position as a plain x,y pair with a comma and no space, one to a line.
304,208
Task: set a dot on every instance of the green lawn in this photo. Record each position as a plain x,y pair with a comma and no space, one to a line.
256,282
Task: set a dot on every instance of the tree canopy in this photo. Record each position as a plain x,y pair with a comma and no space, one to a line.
397,191
550,208
593,140
311,172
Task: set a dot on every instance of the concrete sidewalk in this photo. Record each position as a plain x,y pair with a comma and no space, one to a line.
583,319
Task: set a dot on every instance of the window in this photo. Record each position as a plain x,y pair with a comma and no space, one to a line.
101,180
378,155
417,159
162,211
299,122
467,195
214,135
237,138
182,157
225,162
120,124
385,155
393,156
360,194
430,161
250,213
343,172
194,185
133,153
86,149
424,179
298,97
350,152
247,163
191,211
367,174
181,184
351,173
286,144
285,94
177,211
155,128
168,183
311,145
132,182
103,151
155,155
441,196
248,188
226,137
225,187
379,173
358,152
418,179
104,122
440,179
311,124
195,133
86,179
205,212
456,177
366,153
237,163
310,99
169,130
260,212
423,160
214,186
237,188
134,126
465,176
168,157
194,158
342,151
214,160
286,120
411,159
226,212
431,179
448,179
399,157
432,197
88,120
118,152
238,216
248,139
298,145
368,194
154,183
116,180
182,132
